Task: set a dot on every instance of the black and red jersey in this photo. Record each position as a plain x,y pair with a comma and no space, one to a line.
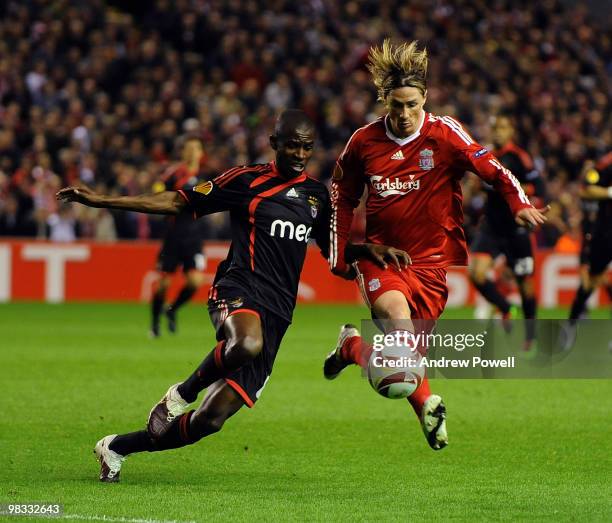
272,219
498,214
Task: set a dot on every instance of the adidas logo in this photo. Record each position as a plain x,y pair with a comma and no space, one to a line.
292,193
398,155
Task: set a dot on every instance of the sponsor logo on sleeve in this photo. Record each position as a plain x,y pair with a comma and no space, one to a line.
480,153
204,188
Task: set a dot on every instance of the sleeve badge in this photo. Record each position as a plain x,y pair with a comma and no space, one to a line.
204,188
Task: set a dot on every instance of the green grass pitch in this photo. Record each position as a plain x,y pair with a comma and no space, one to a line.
310,450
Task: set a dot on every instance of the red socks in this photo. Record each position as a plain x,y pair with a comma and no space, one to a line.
356,351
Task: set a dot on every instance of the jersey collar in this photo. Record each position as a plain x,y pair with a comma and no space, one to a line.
408,139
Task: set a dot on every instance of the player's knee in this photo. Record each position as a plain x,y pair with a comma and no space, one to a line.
204,424
246,347
163,284
195,279
477,275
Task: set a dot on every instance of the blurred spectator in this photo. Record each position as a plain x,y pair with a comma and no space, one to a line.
91,93
62,224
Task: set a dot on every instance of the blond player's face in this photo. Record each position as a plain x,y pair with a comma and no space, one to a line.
405,105
192,151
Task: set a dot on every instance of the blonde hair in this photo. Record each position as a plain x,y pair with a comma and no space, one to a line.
394,66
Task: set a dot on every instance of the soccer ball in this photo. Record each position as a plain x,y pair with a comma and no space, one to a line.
395,371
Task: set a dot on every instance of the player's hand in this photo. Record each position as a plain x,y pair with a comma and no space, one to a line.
531,217
382,254
82,195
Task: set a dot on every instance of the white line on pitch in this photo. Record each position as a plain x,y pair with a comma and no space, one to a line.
119,519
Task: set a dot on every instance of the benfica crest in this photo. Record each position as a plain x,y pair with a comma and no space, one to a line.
314,206
426,161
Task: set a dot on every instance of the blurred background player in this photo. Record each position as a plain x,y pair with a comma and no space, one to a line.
182,243
597,187
499,232
411,162
590,211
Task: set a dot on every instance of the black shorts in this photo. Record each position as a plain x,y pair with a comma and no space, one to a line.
585,249
600,254
515,245
248,381
184,252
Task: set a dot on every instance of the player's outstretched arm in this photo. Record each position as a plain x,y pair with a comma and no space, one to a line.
161,203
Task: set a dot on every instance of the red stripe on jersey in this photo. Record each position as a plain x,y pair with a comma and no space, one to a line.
253,206
262,179
223,177
228,176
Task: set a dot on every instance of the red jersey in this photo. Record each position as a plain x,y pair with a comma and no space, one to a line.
414,197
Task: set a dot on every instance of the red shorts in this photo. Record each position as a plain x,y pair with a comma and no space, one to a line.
425,289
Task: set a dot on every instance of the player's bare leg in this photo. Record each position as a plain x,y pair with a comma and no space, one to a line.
528,300
479,267
220,403
392,308
193,280
243,342
569,330
157,302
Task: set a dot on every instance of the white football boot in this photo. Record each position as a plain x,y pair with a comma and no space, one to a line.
433,421
110,461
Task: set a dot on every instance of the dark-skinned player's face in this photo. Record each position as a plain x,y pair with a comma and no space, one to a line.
293,150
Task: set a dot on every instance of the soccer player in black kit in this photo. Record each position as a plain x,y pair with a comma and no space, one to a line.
182,244
274,209
500,234
597,188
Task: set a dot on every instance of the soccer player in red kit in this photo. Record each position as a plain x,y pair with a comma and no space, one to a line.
412,162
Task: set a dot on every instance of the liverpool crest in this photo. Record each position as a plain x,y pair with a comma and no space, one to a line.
426,161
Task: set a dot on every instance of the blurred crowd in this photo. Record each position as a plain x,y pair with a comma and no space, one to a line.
97,92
